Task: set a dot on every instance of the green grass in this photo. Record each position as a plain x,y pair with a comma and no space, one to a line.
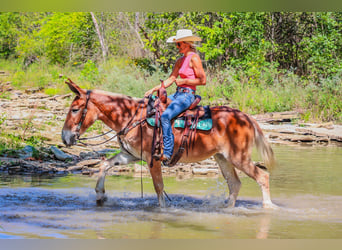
267,91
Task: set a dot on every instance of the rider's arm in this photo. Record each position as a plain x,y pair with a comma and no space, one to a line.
197,66
168,82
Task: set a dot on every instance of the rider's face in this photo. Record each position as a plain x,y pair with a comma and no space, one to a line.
182,46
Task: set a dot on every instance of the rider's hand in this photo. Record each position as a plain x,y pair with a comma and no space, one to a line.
179,82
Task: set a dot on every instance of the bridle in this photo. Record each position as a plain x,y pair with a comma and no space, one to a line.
123,131
84,113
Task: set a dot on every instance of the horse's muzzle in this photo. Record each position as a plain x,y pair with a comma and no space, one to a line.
69,138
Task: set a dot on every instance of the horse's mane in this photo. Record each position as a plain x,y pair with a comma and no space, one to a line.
111,94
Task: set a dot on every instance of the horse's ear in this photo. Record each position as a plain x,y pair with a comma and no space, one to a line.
74,88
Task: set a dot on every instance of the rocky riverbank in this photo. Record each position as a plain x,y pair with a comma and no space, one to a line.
32,113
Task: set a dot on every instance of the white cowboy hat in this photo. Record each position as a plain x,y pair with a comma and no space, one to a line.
183,35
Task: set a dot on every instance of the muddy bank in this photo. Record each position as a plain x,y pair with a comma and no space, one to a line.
32,113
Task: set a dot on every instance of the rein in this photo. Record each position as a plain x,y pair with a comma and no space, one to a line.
84,113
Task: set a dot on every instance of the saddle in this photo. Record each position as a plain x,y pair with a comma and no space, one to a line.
195,117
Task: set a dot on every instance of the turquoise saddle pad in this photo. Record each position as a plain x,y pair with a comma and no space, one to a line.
205,124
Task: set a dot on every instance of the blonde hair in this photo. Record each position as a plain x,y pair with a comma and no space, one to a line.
192,45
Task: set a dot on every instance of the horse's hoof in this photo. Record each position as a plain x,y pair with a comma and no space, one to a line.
231,204
101,201
270,206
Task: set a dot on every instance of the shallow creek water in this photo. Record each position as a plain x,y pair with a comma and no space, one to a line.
306,185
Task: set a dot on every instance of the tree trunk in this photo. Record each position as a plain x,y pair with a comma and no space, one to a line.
101,38
135,28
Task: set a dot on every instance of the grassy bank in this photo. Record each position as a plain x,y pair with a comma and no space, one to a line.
258,92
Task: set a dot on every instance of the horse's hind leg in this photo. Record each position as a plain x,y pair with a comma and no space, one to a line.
260,176
231,177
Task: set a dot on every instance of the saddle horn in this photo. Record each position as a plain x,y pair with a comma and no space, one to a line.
162,94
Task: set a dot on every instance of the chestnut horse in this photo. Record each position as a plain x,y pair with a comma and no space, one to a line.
230,140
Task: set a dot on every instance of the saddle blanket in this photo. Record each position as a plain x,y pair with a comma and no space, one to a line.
205,124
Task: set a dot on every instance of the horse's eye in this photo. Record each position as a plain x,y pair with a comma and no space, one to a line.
74,110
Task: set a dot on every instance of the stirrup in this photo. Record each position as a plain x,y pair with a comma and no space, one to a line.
161,157
166,161
157,157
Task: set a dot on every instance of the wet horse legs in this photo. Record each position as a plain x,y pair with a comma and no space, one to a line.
99,189
121,158
260,176
231,177
157,178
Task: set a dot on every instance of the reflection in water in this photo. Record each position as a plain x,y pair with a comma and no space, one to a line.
306,186
264,227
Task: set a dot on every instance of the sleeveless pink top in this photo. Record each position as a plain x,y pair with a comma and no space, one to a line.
186,72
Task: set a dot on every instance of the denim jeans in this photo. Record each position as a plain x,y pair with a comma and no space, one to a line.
180,102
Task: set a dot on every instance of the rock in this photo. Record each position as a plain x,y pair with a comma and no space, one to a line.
33,90
88,155
14,169
60,155
87,163
277,117
304,138
75,168
184,169
204,171
26,152
106,151
86,171
140,169
328,125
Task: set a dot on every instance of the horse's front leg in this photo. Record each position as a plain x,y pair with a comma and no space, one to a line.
119,159
99,189
157,178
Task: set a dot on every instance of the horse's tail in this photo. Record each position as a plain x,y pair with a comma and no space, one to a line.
263,147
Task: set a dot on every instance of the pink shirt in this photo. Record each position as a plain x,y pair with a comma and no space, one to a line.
186,72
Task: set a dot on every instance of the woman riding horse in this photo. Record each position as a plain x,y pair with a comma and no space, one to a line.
189,68
230,139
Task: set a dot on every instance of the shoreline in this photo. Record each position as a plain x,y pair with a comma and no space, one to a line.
46,116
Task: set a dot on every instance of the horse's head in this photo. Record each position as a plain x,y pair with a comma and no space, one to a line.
81,115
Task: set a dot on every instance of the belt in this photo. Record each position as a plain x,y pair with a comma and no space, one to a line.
185,90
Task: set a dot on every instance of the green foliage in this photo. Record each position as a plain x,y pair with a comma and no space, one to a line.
68,37
16,141
10,141
112,154
145,64
2,119
89,72
255,61
51,91
123,77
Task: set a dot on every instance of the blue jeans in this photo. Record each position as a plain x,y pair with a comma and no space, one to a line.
180,102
